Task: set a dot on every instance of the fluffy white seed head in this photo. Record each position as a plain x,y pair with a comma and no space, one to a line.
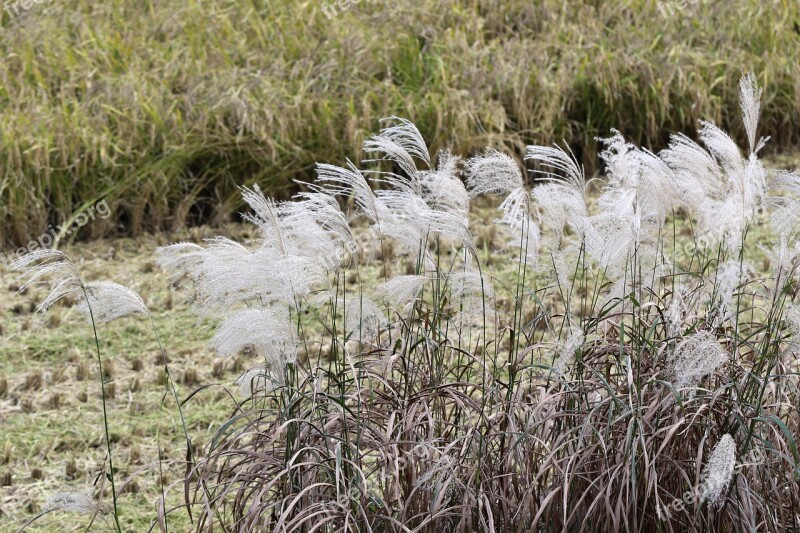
348,182
402,290
401,144
49,267
72,502
107,301
493,173
443,189
718,471
566,352
697,356
365,319
267,332
750,100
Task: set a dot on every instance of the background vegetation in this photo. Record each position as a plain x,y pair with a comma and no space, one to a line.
164,107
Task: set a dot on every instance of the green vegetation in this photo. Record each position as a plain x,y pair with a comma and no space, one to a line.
163,108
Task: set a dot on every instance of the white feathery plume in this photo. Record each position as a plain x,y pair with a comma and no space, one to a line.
72,502
516,209
314,226
750,100
267,332
406,218
562,268
402,290
566,352
785,204
781,259
107,301
53,267
744,187
556,158
562,200
698,177
493,173
347,182
400,144
443,190
697,356
724,150
265,216
634,169
718,472
183,259
471,296
365,319
612,238
791,318
468,284
227,273
406,135
728,278
675,313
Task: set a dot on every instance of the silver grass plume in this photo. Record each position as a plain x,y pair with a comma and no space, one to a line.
698,178
566,352
729,276
791,319
697,356
411,223
639,171
225,273
315,227
562,199
49,267
107,301
443,190
183,259
265,216
72,502
471,295
402,290
493,173
782,260
718,472
750,101
497,173
401,144
365,319
469,284
785,202
267,332
349,182
675,313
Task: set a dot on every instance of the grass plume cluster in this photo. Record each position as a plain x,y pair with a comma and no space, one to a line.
161,106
